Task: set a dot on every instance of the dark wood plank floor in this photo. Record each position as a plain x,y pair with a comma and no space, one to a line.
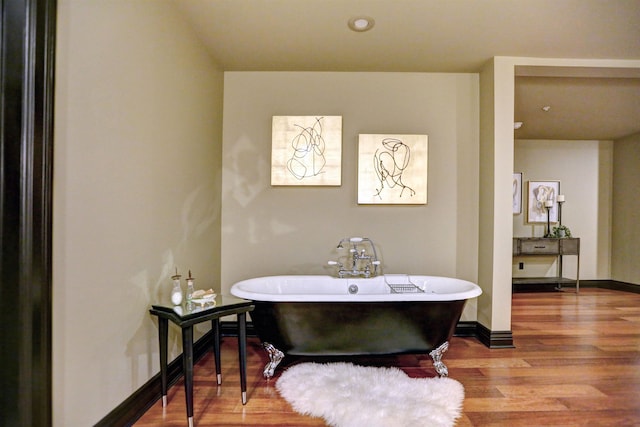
576,363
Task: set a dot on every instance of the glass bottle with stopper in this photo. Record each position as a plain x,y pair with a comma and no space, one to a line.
190,281
176,292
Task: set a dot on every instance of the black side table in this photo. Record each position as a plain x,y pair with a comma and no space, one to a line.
187,315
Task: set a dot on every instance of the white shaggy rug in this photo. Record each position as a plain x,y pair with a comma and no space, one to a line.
346,395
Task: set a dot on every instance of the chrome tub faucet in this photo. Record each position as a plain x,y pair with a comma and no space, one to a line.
362,264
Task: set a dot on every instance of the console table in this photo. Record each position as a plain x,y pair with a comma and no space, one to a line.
548,246
187,315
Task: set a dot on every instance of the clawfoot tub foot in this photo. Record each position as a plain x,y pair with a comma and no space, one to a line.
436,355
275,357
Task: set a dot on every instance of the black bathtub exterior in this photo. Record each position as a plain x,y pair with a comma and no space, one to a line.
356,328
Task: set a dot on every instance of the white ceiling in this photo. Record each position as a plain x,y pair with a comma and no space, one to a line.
446,36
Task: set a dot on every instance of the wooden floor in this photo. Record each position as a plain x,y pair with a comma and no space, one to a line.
576,363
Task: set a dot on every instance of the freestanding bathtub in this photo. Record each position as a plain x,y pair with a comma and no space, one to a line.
315,315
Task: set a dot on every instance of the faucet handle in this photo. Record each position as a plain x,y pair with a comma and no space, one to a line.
333,262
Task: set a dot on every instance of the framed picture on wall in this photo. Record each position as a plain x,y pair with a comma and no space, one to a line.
517,193
306,150
392,169
539,193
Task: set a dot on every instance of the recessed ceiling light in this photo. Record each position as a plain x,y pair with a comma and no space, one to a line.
546,108
517,125
361,23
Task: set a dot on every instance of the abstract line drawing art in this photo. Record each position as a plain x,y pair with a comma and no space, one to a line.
390,162
307,157
392,169
517,193
306,150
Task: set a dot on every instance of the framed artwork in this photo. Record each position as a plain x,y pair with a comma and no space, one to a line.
540,192
392,169
517,193
306,150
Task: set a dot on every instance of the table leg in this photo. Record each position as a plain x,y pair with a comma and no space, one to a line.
215,326
578,275
242,354
163,332
187,362
560,273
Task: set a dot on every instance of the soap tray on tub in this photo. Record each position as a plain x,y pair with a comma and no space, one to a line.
401,284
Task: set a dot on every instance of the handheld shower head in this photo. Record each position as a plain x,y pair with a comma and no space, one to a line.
341,242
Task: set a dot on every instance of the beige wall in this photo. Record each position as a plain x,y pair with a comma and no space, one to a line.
626,210
496,159
294,230
584,169
136,193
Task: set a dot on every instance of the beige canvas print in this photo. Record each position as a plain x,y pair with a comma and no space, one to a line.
539,193
392,169
306,150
